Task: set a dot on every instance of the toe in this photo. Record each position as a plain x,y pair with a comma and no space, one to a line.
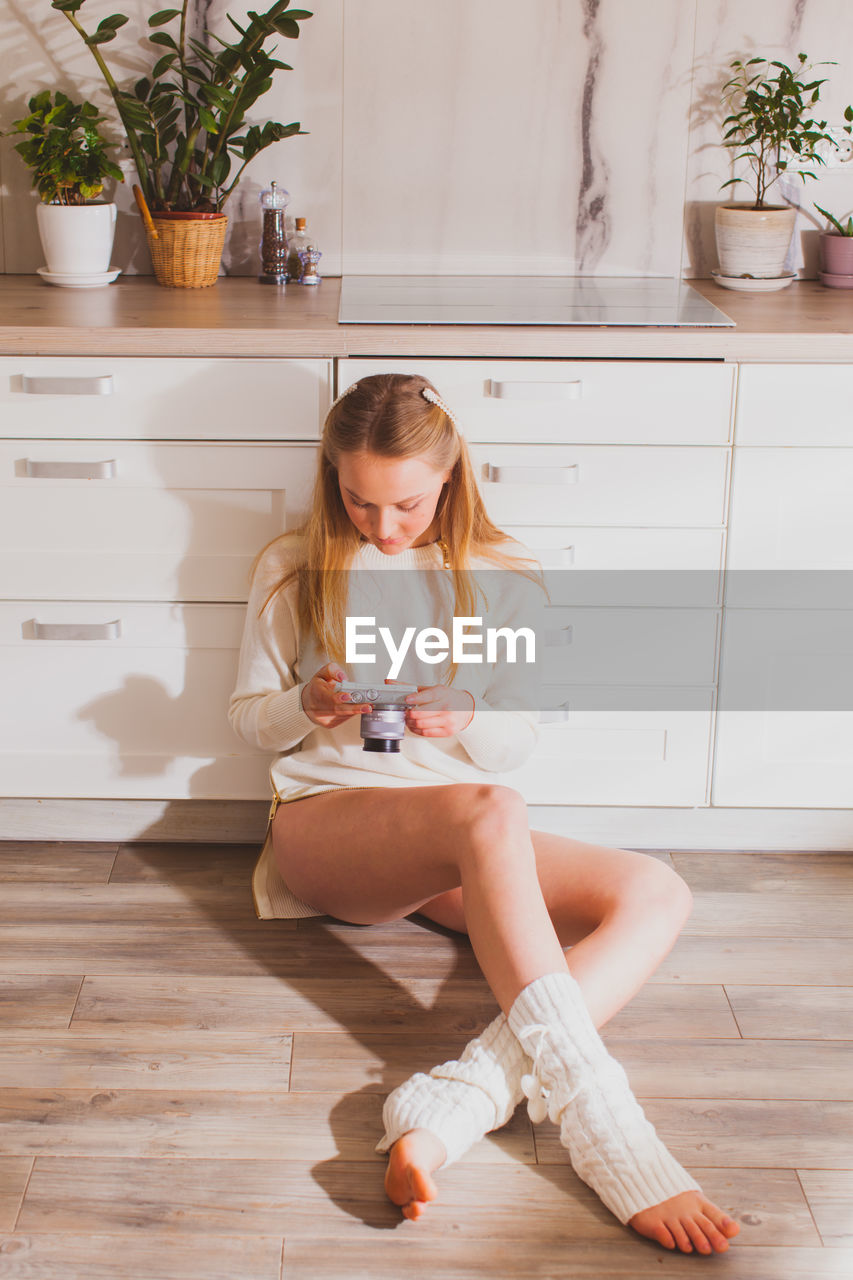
697,1235
680,1236
717,1240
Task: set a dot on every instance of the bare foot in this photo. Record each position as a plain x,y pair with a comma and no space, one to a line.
685,1222
411,1160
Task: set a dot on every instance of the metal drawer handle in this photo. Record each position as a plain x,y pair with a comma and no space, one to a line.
38,385
534,390
555,715
497,474
558,637
77,630
105,470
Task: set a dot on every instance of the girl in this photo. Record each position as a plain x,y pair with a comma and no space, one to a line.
375,836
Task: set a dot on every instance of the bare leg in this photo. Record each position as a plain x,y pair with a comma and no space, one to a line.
343,852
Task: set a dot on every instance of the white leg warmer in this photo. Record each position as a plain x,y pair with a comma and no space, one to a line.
460,1102
612,1146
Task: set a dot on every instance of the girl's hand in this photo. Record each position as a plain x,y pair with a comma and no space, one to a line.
323,703
439,711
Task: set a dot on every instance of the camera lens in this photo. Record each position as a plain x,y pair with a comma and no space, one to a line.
382,729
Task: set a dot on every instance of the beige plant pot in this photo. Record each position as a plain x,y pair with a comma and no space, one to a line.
753,242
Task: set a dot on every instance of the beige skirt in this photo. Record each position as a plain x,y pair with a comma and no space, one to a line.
270,894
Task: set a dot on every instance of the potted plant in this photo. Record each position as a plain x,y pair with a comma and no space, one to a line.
69,161
836,251
186,126
770,125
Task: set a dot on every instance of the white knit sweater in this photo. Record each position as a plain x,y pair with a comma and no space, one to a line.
276,662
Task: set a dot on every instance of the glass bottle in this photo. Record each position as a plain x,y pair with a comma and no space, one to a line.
309,257
273,246
298,242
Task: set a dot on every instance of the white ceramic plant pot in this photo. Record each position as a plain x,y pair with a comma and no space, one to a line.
753,242
77,238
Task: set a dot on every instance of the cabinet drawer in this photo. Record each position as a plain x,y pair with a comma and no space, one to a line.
585,565
163,399
784,759
795,404
132,701
791,509
159,521
588,484
645,756
556,401
630,647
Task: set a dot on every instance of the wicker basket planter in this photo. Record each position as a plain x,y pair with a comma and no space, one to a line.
187,248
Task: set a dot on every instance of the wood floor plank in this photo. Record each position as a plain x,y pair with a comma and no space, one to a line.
496,1201
407,1254
146,902
776,914
121,1059
134,1257
380,1005
14,1174
770,1069
766,872
744,1133
813,1013
55,862
725,959
30,1000
213,949
190,1125
830,1197
182,863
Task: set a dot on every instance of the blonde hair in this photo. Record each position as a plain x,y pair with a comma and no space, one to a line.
387,414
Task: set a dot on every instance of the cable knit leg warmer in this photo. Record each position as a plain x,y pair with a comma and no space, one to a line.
460,1102
574,1080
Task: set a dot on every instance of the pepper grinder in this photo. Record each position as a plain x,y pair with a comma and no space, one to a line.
273,246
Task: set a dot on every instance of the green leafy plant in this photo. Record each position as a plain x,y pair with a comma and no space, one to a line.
185,123
839,226
65,151
771,116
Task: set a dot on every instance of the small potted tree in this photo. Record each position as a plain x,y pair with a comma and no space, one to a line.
69,161
836,251
771,126
186,126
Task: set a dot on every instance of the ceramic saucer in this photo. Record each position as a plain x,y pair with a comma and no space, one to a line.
836,281
88,280
753,284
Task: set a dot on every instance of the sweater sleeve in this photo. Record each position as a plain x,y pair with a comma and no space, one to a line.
265,709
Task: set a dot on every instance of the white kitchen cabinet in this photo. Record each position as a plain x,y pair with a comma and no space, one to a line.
133,398
119,520
122,701
788,622
575,401
615,474
125,560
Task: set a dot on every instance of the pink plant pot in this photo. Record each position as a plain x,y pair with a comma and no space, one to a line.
836,260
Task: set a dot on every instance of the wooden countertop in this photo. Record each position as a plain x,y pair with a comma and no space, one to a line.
239,317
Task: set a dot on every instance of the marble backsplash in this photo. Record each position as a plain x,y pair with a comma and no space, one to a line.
471,136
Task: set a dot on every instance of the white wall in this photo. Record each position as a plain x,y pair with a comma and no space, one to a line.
470,136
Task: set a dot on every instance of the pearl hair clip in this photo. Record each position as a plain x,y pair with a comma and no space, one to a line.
426,392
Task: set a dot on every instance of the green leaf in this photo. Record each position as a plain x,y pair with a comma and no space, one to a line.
112,24
165,15
101,37
208,120
163,64
163,37
66,6
142,88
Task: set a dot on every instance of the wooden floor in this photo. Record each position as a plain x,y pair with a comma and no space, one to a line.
189,1094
